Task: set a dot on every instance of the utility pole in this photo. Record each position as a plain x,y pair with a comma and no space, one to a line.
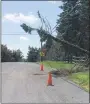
41,57
41,51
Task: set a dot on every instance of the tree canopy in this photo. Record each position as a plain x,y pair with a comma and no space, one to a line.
33,54
8,55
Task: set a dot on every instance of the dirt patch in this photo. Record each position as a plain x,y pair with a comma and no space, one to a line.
62,72
66,72
38,74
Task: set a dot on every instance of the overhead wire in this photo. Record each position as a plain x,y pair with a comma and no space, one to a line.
17,34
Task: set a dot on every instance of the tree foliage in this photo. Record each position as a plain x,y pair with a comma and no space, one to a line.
8,55
72,30
73,27
33,54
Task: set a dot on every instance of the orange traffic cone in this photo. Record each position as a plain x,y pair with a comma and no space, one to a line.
49,83
41,67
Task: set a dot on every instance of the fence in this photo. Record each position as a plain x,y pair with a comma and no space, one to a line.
78,59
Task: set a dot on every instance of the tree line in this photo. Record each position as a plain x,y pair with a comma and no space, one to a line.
73,28
8,55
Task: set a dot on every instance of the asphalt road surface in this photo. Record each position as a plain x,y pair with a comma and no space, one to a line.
21,83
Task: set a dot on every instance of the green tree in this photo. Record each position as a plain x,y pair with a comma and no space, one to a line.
72,23
17,55
8,55
33,54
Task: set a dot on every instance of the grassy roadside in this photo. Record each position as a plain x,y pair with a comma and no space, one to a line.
57,64
82,79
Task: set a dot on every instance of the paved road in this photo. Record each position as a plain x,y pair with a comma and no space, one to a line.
20,85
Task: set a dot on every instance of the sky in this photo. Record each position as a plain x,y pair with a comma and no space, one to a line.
15,13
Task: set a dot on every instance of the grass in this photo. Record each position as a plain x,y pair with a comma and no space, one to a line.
57,64
82,79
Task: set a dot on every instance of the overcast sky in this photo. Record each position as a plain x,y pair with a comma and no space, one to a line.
16,12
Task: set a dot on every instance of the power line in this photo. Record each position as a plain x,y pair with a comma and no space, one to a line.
17,34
